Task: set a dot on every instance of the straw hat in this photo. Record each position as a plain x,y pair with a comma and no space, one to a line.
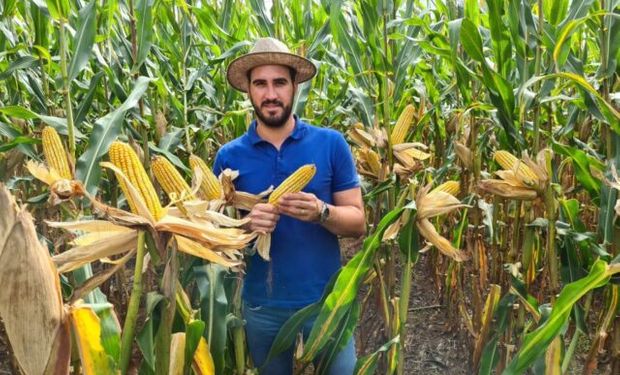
268,51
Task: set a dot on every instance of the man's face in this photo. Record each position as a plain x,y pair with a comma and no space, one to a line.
272,92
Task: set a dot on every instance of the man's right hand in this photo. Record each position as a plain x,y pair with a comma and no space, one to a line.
263,218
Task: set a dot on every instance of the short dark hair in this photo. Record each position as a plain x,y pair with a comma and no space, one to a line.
291,70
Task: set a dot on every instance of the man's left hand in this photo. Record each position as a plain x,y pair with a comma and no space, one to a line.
301,206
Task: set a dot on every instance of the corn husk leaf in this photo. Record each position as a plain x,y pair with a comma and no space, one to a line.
106,247
43,173
263,245
507,190
198,209
87,330
361,137
177,354
30,298
464,154
392,231
203,362
428,231
538,166
101,277
226,179
193,248
510,177
218,238
408,154
435,203
61,189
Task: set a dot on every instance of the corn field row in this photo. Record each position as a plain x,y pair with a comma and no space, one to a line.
487,133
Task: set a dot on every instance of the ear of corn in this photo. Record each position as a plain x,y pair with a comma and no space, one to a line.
55,154
123,157
170,179
450,187
210,186
403,124
294,183
510,162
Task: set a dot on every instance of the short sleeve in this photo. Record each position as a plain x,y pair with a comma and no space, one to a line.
218,163
345,175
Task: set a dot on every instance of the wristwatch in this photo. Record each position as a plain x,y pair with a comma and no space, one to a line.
324,215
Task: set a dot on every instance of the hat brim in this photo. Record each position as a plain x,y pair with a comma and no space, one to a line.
238,69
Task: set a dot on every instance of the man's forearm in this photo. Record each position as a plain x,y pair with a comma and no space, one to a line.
347,221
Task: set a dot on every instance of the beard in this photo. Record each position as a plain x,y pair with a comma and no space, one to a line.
273,121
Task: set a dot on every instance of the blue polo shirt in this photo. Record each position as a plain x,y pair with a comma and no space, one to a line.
303,255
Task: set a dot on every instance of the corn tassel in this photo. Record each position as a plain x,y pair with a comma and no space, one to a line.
55,154
403,124
210,186
123,157
294,183
510,162
170,179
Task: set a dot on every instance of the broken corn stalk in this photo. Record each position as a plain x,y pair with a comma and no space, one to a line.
210,186
124,158
55,154
170,179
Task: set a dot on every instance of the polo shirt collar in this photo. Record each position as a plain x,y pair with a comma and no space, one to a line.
298,132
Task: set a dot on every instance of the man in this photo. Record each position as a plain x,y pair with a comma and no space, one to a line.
304,226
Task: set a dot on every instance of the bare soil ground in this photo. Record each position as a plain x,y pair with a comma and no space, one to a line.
431,346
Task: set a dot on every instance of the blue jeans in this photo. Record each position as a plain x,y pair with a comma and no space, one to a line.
262,326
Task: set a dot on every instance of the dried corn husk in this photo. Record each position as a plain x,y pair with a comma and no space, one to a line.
361,137
30,298
437,202
464,154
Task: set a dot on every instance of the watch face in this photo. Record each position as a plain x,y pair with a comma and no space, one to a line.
324,213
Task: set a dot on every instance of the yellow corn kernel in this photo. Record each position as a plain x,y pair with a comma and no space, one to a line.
170,179
294,183
55,154
450,187
124,158
210,186
403,124
510,162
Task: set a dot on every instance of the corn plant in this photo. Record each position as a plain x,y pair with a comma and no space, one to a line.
514,99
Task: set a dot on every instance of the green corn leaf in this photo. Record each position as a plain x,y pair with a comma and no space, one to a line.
59,9
560,51
105,132
144,26
87,100
287,333
471,41
536,342
23,62
582,164
193,333
367,365
18,141
346,288
555,11
84,39
213,310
